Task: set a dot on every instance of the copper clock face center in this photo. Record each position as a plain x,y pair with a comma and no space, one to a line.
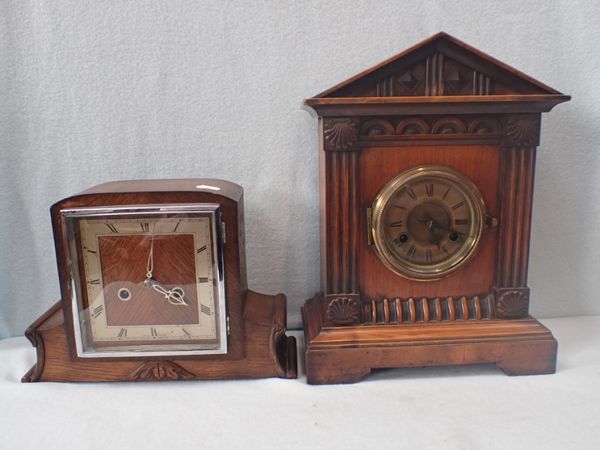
427,222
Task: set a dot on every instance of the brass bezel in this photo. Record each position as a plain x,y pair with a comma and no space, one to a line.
422,272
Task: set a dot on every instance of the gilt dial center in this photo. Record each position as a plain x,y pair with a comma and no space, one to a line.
427,222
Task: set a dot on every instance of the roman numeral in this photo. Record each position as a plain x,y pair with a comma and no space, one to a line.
153,332
203,280
412,194
445,249
205,309
176,226
97,311
446,194
95,281
145,226
112,228
458,205
186,332
429,189
411,251
89,251
428,255
400,207
123,333
461,221
201,249
396,224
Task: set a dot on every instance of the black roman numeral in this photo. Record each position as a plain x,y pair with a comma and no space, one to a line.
97,311
95,281
201,249
396,224
429,189
145,226
446,194
445,249
176,226
153,332
112,228
400,207
428,255
186,332
205,309
89,251
203,280
458,205
412,250
123,332
411,194
461,221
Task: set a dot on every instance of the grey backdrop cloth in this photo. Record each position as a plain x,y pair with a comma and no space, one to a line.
98,91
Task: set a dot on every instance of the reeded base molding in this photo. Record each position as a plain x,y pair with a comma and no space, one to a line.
345,354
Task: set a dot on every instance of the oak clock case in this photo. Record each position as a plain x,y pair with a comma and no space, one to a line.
153,285
427,164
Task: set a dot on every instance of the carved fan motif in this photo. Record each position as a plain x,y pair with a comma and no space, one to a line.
512,304
341,134
343,310
160,370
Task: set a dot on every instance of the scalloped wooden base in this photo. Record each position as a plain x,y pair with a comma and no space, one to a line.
345,354
268,352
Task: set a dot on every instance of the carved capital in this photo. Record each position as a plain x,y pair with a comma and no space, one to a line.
343,309
511,303
522,130
159,371
340,134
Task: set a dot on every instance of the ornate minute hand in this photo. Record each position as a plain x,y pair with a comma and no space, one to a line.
174,296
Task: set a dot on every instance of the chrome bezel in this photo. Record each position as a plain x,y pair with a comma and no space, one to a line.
212,210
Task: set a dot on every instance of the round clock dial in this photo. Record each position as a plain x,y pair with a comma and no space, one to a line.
427,222
147,282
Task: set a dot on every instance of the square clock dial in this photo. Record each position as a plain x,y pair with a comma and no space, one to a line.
147,280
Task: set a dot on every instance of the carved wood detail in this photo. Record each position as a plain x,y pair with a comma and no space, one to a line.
438,309
342,223
512,303
522,130
435,75
159,371
516,194
340,134
343,309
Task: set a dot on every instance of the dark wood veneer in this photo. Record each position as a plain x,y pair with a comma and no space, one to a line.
257,344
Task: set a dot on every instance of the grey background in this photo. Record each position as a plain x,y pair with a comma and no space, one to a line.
93,91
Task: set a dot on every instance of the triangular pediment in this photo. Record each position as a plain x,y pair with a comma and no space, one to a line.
439,66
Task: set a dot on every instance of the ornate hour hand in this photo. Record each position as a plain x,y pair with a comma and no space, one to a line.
174,296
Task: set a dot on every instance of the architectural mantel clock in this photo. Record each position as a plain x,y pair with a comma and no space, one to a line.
427,165
153,283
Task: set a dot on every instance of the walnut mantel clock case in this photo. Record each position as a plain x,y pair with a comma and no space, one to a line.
427,164
153,284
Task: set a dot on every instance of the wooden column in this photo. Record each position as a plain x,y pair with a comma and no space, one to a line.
340,139
521,137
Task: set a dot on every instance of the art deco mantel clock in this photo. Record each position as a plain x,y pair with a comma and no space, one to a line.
427,164
153,283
